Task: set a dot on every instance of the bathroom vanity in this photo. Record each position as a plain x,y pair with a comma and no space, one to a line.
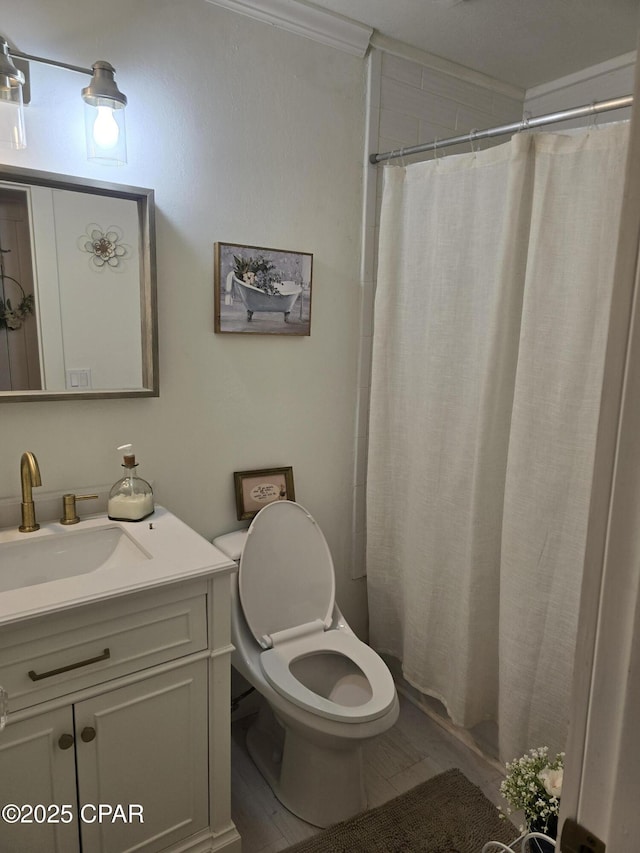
117,677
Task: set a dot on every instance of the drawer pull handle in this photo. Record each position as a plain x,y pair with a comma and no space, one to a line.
87,734
65,741
106,654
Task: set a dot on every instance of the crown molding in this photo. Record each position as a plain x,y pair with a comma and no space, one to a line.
615,64
304,19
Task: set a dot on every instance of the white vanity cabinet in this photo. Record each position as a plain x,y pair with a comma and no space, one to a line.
143,744
121,703
34,769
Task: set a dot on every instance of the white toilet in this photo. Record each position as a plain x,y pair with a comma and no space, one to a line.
327,692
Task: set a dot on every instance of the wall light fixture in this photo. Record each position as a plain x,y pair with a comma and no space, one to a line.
12,133
103,111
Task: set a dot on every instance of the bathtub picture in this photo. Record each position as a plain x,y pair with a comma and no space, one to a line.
262,291
255,489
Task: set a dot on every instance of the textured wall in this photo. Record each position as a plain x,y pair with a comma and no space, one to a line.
248,134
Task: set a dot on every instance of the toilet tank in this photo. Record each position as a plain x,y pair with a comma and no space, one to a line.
231,544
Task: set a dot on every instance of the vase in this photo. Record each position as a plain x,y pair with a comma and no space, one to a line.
540,845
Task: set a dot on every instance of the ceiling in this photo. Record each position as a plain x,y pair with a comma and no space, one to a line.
523,42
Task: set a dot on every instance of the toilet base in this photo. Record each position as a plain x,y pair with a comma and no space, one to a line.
320,784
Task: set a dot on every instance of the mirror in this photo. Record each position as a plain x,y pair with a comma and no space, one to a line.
77,288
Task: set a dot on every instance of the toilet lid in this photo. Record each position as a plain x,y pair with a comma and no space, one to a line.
286,577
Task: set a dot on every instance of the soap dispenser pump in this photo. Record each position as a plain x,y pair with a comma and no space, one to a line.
131,498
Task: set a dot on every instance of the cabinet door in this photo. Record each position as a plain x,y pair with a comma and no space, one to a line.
150,750
36,768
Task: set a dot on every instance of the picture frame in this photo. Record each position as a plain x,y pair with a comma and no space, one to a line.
255,489
261,291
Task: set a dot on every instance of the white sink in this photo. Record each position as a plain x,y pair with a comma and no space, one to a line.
64,555
57,568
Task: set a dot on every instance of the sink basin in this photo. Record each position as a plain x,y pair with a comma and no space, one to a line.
58,568
63,555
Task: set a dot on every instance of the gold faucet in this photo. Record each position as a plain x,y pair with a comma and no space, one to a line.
30,477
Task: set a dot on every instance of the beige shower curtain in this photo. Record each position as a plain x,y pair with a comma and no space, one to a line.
494,279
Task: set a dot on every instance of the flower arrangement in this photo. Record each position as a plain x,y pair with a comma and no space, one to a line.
12,318
533,784
258,272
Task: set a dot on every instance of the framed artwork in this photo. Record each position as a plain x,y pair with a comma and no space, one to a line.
255,489
260,291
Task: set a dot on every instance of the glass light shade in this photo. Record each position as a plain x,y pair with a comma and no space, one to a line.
105,132
12,131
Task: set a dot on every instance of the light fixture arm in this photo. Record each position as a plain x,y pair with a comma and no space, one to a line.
17,54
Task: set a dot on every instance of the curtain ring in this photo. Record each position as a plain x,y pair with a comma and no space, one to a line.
594,116
524,124
436,156
472,140
398,154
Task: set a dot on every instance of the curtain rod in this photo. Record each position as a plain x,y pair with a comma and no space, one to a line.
524,124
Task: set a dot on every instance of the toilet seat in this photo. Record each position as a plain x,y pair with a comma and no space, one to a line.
276,663
286,584
285,576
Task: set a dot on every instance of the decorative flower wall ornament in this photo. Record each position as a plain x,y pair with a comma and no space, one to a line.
105,247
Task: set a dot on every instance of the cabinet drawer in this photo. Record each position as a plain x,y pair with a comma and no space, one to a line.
55,655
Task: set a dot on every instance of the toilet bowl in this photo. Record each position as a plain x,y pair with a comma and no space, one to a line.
325,691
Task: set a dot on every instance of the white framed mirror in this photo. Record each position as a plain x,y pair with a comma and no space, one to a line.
78,314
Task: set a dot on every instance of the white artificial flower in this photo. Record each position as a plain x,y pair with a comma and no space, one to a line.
552,781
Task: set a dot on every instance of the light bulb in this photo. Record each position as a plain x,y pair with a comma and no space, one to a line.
105,128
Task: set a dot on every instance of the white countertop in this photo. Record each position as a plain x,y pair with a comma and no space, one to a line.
175,551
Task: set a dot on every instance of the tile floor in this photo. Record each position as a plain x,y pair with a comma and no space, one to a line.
414,750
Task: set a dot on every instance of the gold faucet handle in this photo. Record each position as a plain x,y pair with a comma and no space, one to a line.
70,516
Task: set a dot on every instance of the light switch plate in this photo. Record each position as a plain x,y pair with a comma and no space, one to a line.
78,379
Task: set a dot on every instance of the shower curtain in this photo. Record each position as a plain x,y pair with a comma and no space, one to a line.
494,278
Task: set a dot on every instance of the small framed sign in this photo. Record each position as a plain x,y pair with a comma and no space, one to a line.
255,489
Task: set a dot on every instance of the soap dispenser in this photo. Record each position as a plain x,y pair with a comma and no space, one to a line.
131,498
